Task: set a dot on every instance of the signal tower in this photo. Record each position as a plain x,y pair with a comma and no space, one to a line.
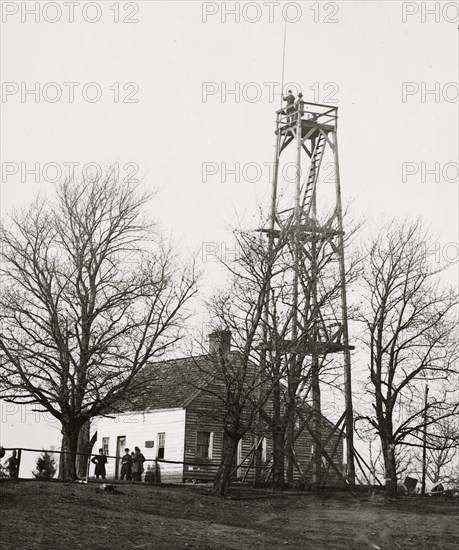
309,131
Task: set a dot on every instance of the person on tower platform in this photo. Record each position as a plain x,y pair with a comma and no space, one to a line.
300,105
290,107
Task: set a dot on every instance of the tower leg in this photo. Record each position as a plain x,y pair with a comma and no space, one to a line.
347,354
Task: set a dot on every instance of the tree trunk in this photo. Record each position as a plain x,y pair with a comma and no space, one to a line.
62,457
424,444
436,478
317,423
258,461
278,457
67,462
390,468
84,447
222,479
278,435
289,446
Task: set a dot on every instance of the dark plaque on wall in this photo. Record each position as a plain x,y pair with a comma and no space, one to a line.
149,444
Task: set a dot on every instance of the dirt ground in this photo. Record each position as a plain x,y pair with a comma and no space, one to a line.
56,516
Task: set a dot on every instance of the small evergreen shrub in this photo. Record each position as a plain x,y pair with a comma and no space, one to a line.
46,466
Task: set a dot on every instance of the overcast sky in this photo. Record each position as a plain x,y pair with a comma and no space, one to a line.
166,112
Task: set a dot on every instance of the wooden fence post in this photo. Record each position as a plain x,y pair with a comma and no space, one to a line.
19,462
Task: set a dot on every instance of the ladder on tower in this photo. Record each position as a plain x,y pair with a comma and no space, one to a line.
313,174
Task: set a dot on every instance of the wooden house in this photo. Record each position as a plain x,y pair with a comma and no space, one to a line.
179,423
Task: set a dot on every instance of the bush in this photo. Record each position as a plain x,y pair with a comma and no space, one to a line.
46,466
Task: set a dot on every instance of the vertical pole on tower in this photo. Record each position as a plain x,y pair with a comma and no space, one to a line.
349,422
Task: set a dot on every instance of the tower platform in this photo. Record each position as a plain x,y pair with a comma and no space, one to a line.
308,126
309,347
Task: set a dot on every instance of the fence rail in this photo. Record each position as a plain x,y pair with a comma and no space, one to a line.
204,470
21,450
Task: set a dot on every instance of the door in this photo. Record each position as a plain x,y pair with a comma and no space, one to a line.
120,446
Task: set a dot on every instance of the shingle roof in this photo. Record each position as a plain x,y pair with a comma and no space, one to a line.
169,384
174,384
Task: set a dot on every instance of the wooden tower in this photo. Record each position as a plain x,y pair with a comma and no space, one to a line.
306,133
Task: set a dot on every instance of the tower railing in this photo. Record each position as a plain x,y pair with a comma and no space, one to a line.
316,113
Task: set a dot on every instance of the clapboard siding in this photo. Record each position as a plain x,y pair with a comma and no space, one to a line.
141,427
204,413
303,452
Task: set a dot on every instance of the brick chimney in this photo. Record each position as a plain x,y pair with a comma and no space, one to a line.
220,341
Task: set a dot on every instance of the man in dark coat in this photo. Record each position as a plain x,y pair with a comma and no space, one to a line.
12,465
137,466
290,108
126,466
300,105
100,460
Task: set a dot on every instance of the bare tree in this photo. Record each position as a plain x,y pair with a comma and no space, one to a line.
91,294
234,382
441,446
254,308
236,379
443,451
410,322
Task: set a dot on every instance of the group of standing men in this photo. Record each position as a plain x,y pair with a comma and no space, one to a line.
293,105
131,465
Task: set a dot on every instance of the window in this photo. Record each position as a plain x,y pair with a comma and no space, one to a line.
105,442
161,444
263,450
204,444
255,442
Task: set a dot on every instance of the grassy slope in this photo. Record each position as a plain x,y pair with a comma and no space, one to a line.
56,516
